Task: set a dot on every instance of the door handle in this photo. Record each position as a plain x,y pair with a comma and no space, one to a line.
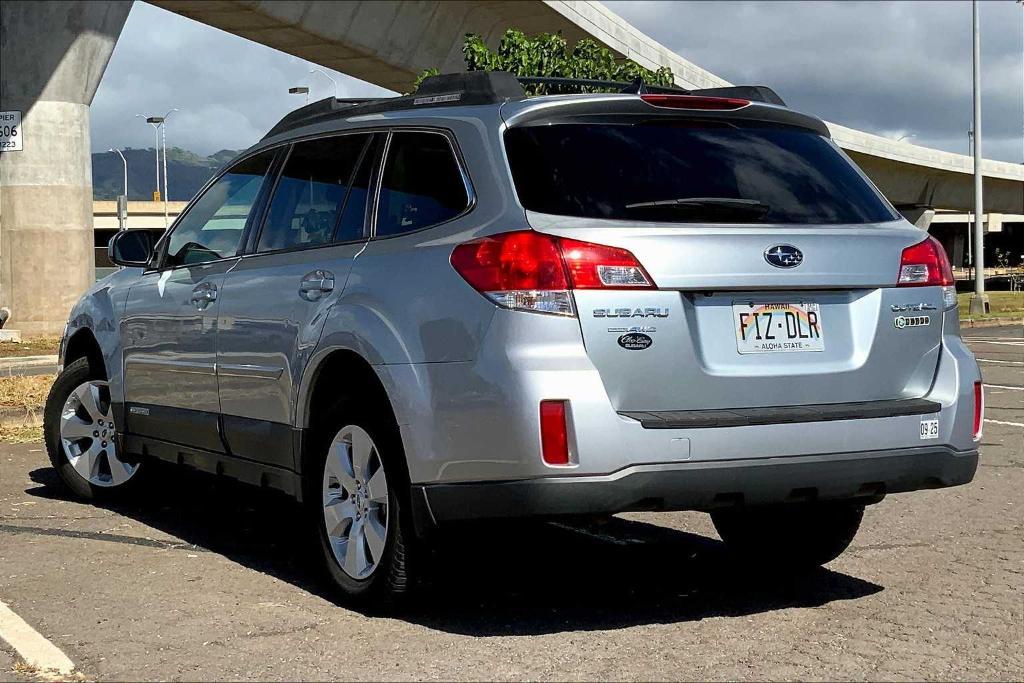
314,285
203,295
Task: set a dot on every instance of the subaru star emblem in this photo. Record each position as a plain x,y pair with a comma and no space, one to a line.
784,256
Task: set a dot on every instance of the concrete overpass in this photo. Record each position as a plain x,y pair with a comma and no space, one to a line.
54,54
390,43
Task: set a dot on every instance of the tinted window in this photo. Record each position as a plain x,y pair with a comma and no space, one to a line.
351,227
786,175
311,192
213,227
421,184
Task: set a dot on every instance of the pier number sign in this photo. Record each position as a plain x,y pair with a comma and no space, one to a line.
10,131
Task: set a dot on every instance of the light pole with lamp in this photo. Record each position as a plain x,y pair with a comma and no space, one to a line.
153,121
163,134
300,90
122,204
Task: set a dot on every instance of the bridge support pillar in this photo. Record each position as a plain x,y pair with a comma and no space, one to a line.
53,56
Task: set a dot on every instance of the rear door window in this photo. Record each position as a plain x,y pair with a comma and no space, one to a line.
421,185
689,171
312,193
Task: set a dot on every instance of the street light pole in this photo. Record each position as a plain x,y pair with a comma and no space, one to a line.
152,120
122,213
328,77
979,302
163,132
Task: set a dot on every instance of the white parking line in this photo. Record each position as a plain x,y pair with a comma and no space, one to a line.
1001,343
36,650
1004,422
1003,386
1004,362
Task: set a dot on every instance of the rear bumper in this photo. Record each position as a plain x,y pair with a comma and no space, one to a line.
702,485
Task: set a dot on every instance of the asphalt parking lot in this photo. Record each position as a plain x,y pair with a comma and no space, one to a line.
203,580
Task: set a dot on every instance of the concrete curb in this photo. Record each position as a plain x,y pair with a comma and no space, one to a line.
993,322
27,365
21,417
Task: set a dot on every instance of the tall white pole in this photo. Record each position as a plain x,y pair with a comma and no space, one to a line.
122,218
163,132
156,150
979,304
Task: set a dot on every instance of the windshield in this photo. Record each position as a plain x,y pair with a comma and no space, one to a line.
689,171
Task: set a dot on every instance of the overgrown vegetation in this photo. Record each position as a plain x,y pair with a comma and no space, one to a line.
548,54
28,391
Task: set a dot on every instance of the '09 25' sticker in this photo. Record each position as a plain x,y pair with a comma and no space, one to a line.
929,429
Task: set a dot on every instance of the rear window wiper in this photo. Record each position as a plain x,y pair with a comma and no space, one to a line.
750,207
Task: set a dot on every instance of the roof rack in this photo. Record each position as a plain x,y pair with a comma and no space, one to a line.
469,88
637,86
490,87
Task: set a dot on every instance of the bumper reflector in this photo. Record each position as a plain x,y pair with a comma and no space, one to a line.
979,410
554,437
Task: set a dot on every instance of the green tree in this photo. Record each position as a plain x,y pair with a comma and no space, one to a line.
547,54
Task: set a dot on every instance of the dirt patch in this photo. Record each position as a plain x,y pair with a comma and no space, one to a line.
33,346
21,434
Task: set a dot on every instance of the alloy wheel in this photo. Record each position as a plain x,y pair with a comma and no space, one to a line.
89,437
355,501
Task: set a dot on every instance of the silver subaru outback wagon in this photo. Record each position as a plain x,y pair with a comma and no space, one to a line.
469,304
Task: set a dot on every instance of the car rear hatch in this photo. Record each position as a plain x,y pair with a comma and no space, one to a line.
773,261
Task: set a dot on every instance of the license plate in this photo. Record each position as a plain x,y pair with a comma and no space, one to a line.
778,327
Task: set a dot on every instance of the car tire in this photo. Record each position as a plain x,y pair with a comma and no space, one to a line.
336,486
799,536
81,438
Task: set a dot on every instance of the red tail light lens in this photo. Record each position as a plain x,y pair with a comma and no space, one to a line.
925,265
695,102
596,266
554,435
529,270
979,410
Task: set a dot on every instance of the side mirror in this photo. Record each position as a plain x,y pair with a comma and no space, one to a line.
131,248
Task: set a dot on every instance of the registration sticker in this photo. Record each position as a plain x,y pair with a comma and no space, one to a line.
929,429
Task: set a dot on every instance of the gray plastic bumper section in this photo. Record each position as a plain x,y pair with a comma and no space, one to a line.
705,485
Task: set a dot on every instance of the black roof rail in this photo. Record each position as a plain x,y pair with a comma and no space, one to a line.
473,87
324,109
489,87
754,93
637,86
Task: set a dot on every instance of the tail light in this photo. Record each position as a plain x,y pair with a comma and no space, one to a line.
925,265
695,102
532,271
979,410
554,434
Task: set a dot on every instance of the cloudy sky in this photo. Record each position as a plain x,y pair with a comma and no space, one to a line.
892,68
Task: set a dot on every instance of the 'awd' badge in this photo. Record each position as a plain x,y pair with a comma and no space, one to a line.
903,321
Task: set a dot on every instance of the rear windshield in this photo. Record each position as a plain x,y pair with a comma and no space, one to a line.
688,172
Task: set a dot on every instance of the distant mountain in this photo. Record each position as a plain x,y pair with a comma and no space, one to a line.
186,173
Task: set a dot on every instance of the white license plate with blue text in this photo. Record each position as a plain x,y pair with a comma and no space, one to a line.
778,327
